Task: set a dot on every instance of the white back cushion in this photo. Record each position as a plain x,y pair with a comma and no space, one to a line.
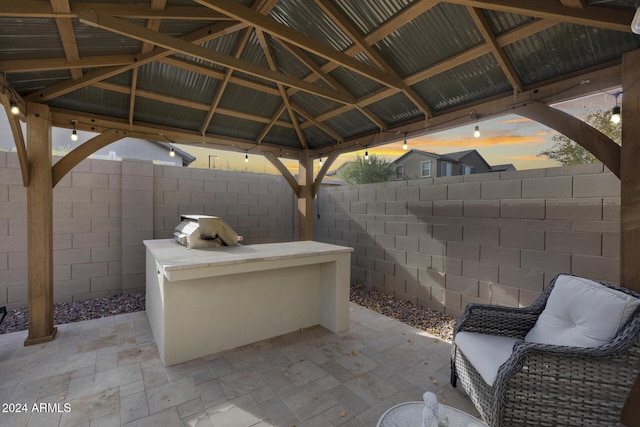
582,313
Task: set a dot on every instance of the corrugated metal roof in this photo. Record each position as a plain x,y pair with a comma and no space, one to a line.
316,138
282,136
351,123
94,41
395,109
96,101
253,52
367,15
355,83
173,81
314,104
243,99
465,83
565,48
434,36
151,111
235,127
306,17
39,39
30,82
502,22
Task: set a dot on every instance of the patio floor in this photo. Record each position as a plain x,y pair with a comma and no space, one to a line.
109,372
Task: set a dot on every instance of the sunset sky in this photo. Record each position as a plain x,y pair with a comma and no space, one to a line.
507,139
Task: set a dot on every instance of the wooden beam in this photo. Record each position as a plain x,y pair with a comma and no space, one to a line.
94,76
45,64
402,18
485,29
274,120
598,17
67,35
286,173
326,129
296,38
266,48
578,4
630,200
81,152
39,226
349,29
323,171
305,196
137,32
43,9
597,143
18,138
97,123
569,87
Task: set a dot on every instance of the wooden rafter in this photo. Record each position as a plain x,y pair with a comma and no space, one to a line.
578,4
271,60
43,9
286,173
485,29
128,29
275,29
307,115
598,17
199,36
322,172
98,123
263,7
272,122
353,34
30,65
67,35
152,24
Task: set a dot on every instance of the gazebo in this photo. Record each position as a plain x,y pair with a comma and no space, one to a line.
296,79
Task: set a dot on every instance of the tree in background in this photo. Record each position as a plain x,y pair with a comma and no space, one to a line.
568,152
363,171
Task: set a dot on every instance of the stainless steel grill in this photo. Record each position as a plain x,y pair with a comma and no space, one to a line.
203,231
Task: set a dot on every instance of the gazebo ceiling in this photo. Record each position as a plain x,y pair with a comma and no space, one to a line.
284,75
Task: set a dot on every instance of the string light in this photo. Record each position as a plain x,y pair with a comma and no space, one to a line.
615,112
366,155
405,146
74,133
172,153
246,158
476,131
320,161
14,108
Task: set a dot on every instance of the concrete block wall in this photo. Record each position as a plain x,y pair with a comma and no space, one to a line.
103,210
491,238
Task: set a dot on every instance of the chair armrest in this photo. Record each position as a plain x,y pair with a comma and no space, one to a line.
498,320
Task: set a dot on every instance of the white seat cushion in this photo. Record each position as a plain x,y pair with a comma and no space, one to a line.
582,313
485,352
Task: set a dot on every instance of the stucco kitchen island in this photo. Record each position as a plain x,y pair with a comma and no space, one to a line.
202,301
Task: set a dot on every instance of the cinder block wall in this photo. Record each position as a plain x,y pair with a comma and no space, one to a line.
490,238
103,210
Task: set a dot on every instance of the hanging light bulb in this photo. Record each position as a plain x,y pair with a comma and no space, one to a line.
366,155
74,133
476,131
615,115
246,158
14,108
172,153
405,146
320,161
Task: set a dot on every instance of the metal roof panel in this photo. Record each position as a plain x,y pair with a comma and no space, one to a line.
396,109
152,111
173,81
94,100
29,39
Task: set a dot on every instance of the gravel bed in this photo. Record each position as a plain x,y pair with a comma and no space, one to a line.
431,321
69,312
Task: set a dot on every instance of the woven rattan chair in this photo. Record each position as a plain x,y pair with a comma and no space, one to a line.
548,385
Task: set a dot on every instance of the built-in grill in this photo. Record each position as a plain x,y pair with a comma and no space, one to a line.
204,231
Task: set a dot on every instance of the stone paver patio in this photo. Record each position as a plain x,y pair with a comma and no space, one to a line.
108,372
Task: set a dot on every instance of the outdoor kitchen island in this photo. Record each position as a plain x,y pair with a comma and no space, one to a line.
202,301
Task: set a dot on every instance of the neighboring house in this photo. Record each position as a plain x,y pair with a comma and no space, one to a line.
416,164
508,167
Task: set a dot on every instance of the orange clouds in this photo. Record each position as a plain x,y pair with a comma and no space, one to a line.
488,141
527,158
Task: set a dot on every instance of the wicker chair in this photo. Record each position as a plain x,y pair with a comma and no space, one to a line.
548,385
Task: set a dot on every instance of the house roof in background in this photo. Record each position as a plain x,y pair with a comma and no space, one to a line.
287,75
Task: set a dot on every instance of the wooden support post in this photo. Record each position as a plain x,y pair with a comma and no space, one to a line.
40,225
630,200
305,196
